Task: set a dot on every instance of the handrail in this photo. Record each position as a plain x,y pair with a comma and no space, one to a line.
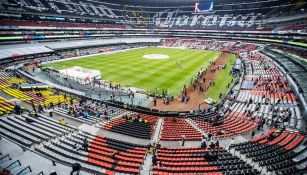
44,156
17,161
5,157
24,170
41,173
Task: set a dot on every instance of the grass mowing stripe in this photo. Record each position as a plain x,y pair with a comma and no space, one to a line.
222,79
185,79
156,77
130,68
158,71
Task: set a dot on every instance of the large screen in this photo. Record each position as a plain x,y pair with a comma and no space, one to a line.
204,6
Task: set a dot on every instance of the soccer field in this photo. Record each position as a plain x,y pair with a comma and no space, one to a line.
131,69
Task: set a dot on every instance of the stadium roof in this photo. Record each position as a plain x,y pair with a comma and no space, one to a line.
176,3
155,2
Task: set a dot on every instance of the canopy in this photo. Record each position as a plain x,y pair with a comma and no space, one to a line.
80,74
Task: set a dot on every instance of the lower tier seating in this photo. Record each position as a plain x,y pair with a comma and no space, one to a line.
28,130
176,128
6,107
136,125
279,151
102,155
232,124
199,161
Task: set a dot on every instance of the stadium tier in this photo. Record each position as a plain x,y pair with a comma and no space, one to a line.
153,87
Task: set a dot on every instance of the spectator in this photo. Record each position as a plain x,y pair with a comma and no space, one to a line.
62,121
85,145
212,145
209,136
203,143
159,165
75,169
40,108
50,111
76,147
151,150
253,133
154,159
29,120
51,105
17,109
231,142
217,143
183,140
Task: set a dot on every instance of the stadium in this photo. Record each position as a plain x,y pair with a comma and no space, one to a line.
153,87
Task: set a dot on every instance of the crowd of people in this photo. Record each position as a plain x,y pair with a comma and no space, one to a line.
137,118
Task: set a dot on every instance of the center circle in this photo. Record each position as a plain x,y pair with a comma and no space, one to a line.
156,56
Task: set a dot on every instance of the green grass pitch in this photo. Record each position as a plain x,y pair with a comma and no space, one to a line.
130,69
222,79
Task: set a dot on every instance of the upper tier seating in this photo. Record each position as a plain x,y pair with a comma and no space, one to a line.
277,150
176,128
227,16
132,126
225,46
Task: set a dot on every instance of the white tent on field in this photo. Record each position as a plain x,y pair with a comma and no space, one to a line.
80,74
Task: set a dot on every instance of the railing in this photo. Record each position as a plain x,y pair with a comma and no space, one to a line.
41,173
53,160
12,165
25,170
6,156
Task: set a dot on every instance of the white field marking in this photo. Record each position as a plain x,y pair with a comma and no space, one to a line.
156,56
162,67
146,73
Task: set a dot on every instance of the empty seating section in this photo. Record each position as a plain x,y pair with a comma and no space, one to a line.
135,125
124,157
176,128
44,100
9,165
28,130
224,46
46,97
198,161
103,154
43,97
17,94
8,81
276,150
5,106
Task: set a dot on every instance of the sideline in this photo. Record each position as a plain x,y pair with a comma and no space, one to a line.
84,56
